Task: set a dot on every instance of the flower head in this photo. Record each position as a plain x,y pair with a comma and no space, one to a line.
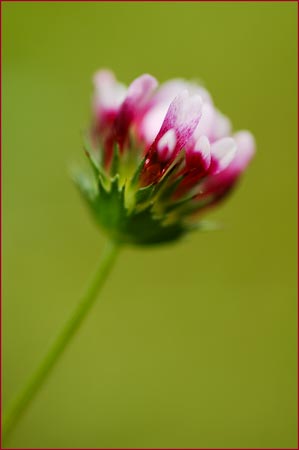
161,156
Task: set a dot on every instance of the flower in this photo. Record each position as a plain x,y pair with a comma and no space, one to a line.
161,156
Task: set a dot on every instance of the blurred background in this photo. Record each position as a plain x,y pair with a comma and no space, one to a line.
190,345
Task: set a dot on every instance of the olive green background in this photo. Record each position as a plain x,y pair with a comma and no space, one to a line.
190,345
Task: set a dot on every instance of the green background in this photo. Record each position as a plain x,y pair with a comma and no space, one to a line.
191,345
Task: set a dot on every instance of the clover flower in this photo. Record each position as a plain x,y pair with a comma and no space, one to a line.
162,155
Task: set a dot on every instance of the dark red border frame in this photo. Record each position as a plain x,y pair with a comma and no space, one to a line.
141,1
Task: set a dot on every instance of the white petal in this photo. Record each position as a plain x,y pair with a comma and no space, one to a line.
167,143
222,126
203,147
152,122
205,125
169,140
245,149
224,151
186,107
109,92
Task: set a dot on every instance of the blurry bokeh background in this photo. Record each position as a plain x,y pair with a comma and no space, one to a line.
191,345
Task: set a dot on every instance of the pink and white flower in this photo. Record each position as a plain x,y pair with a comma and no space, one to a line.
161,155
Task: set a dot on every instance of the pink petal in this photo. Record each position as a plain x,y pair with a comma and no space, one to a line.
222,181
198,159
198,155
140,90
178,126
154,115
183,116
139,93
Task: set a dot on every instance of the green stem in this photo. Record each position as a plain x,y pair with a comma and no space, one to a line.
23,400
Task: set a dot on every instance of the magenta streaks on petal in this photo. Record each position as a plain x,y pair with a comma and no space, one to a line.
154,114
181,118
139,93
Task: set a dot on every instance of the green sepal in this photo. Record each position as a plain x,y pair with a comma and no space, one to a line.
96,167
85,184
137,173
110,210
144,228
170,189
144,195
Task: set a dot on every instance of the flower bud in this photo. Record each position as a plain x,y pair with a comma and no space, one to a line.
160,155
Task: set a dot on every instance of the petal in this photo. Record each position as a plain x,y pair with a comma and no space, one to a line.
206,123
223,153
139,93
140,90
219,183
169,90
166,144
213,124
183,116
152,122
245,150
109,93
222,126
198,156
178,126
154,115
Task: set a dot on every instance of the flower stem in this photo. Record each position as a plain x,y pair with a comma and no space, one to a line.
24,398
